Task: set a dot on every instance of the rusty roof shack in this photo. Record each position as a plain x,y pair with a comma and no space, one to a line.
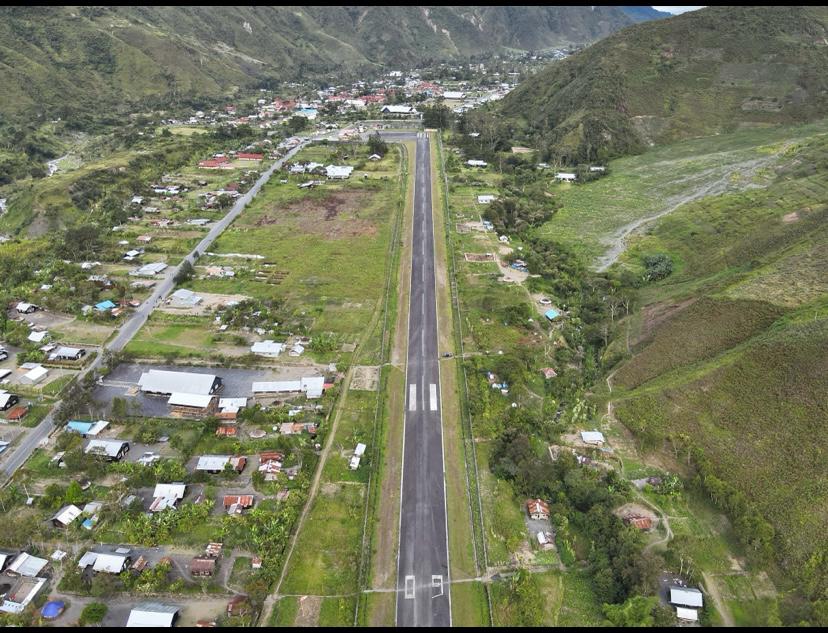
538,509
202,567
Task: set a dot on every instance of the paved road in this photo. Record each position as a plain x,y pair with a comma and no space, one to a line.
422,565
137,319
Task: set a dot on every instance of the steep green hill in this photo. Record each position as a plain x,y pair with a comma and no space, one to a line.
727,359
700,73
55,61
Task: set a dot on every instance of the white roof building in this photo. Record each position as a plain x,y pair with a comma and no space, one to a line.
67,514
683,613
360,449
66,352
485,199
169,382
34,376
109,563
312,386
110,448
183,298
592,437
37,337
398,109
454,94
354,464
148,270
152,614
22,595
194,400
175,491
212,462
565,176
338,172
686,597
270,349
166,496
232,405
27,565
476,163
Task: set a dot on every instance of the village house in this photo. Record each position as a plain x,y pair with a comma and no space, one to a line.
167,496
338,172
66,516
538,509
687,601
563,176
7,400
202,567
268,349
109,563
152,615
595,438
216,463
235,504
111,450
86,429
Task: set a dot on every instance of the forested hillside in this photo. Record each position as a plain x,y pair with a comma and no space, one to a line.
61,61
700,73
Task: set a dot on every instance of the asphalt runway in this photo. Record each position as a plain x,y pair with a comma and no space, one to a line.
422,565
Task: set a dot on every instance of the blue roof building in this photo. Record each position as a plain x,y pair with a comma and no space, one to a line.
103,306
552,314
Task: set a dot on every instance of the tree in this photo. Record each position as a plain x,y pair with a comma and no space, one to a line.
74,493
296,124
438,116
636,611
376,144
185,272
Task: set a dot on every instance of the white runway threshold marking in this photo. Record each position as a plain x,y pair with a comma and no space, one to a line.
409,587
412,397
432,392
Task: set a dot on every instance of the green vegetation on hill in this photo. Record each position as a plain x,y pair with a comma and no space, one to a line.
701,73
67,61
725,366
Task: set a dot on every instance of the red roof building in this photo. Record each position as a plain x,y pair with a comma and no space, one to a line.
17,413
538,509
248,156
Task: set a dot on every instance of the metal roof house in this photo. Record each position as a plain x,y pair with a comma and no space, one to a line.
166,496
169,382
27,565
338,172
148,270
193,405
216,463
686,596
113,450
592,437
312,386
183,298
152,615
86,428
270,349
34,376
66,515
113,563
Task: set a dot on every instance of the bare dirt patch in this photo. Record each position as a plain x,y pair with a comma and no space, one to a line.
657,313
635,509
308,613
321,216
479,257
790,217
365,378
208,303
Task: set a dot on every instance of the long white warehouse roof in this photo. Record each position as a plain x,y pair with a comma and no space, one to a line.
170,382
